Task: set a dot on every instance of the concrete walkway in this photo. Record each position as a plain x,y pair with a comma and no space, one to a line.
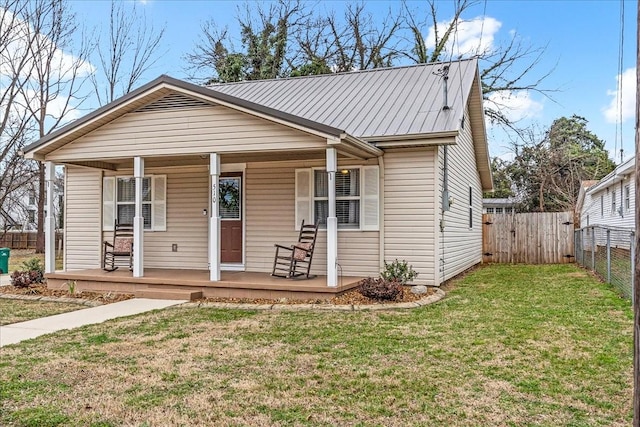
14,333
5,279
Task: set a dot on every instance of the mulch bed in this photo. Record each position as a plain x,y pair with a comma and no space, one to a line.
42,290
351,297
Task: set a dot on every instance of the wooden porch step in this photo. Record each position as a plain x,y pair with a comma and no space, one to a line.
168,294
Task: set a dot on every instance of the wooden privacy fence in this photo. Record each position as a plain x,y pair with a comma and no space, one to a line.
24,240
529,238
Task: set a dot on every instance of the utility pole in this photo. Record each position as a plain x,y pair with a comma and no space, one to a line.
636,271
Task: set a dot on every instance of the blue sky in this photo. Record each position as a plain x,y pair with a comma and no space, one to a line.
582,41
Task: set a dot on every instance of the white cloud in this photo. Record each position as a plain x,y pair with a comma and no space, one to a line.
473,37
628,92
515,106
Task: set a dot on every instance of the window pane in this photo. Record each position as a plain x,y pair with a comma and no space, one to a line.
320,184
229,198
126,213
126,190
146,213
348,213
322,212
146,190
348,182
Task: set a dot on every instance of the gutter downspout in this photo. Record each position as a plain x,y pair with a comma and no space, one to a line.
381,212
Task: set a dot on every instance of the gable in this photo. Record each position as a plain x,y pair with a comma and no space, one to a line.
179,125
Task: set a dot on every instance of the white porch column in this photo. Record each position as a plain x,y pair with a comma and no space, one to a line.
214,219
332,220
138,220
49,221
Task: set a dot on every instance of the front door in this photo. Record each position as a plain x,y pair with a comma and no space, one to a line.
230,209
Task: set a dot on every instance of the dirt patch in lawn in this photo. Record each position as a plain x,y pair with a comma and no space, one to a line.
351,297
43,291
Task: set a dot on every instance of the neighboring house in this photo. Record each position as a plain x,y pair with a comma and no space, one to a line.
609,202
21,208
405,147
499,206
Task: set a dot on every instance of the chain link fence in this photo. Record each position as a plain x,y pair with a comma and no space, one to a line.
608,251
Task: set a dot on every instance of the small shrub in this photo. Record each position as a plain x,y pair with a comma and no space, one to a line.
380,289
398,271
24,279
35,265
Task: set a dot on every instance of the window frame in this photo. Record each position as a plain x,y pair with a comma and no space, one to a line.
614,209
359,197
149,202
627,197
153,201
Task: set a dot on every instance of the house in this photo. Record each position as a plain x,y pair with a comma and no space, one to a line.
498,206
390,162
609,202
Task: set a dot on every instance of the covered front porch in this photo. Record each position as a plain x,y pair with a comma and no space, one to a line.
194,284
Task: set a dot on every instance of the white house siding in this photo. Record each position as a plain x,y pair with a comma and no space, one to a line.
461,246
184,131
605,216
410,209
187,196
83,201
270,219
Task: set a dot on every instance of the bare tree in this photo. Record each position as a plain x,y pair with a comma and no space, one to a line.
265,44
506,70
53,88
15,118
128,49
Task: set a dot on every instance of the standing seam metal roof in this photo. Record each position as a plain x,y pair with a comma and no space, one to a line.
383,102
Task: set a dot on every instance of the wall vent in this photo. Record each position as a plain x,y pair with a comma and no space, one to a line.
173,101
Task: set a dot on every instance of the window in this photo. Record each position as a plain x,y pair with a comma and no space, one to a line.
347,198
470,207
118,201
357,200
602,206
613,202
508,210
627,202
498,210
489,210
31,216
32,198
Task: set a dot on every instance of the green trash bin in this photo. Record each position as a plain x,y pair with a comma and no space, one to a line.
4,260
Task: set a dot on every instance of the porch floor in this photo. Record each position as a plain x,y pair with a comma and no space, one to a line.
233,284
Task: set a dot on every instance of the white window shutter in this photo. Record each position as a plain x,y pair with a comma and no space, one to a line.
108,202
371,198
303,197
159,220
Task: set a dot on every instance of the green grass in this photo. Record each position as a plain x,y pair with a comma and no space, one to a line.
13,311
510,345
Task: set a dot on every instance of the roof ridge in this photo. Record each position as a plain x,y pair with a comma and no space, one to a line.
342,73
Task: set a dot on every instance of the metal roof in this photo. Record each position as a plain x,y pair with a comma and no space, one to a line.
370,104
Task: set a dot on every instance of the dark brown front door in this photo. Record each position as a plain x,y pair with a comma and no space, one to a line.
230,206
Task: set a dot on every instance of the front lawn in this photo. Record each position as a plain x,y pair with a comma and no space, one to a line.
14,311
509,346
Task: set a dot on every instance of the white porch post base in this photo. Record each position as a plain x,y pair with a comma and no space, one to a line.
49,222
214,219
138,219
332,252
138,245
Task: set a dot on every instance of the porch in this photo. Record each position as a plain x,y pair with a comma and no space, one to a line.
193,284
